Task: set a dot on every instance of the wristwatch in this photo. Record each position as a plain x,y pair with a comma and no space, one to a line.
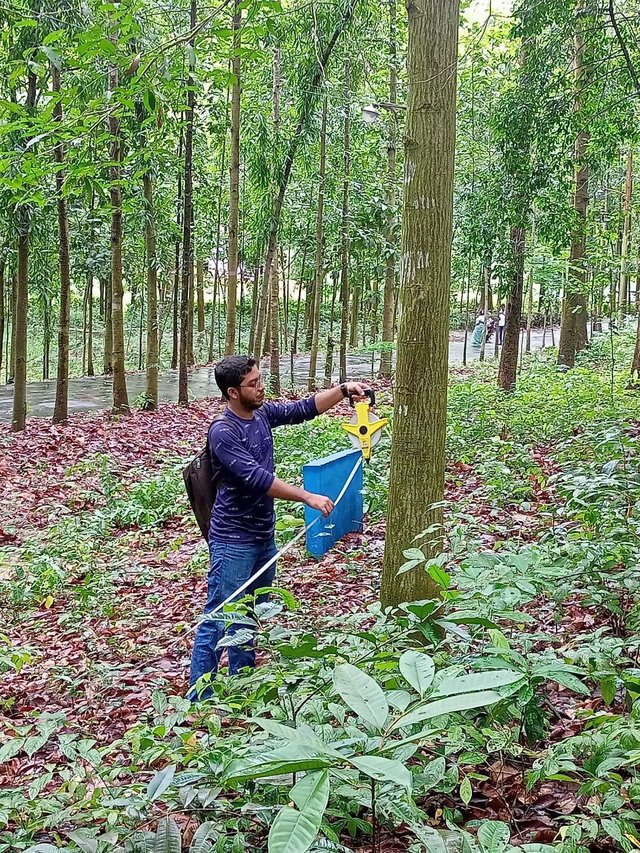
343,388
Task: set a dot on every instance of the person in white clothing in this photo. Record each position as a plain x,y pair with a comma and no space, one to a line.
502,319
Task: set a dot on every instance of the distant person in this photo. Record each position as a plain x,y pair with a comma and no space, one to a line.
502,320
241,533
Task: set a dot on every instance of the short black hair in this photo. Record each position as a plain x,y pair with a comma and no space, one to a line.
231,370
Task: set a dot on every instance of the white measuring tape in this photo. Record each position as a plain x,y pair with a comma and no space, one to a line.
234,595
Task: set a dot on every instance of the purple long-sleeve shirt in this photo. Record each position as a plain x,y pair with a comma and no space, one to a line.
243,511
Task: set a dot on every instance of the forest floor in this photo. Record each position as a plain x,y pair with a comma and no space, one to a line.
102,574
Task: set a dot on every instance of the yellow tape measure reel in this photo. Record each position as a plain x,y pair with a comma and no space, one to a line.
364,427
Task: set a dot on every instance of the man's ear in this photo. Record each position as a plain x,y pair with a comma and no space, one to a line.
233,393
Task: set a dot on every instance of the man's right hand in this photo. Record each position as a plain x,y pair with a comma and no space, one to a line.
319,502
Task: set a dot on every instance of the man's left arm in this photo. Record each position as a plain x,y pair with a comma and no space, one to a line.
326,400
289,413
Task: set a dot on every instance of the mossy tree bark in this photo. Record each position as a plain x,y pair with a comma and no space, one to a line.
234,184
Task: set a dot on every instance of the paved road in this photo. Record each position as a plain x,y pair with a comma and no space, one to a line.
94,393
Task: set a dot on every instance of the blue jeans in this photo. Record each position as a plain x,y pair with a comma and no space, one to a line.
230,566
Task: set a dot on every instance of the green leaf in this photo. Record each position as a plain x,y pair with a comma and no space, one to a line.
566,679
52,55
160,782
43,848
362,694
418,669
168,838
438,574
383,770
493,836
608,686
85,842
432,772
204,834
463,702
478,681
466,791
295,831
414,554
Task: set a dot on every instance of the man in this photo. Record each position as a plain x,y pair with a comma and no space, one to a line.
241,534
502,319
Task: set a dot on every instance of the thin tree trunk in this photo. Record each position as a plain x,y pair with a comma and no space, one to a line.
344,228
200,294
3,266
11,361
187,219
46,348
416,484
309,100
318,271
192,303
90,368
23,221
151,388
120,397
107,365
573,332
234,183
529,310
508,368
625,298
176,266
390,236
62,376
216,273
485,303
274,308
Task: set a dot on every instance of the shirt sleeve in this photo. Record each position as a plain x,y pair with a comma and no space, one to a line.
230,452
291,412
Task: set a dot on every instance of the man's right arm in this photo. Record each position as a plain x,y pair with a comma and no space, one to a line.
282,490
239,463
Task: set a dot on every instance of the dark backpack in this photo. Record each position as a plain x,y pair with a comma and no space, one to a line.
201,479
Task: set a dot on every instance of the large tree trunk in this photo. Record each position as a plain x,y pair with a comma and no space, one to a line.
625,297
274,306
234,184
120,398
23,221
420,407
573,333
62,377
311,93
344,230
318,273
187,220
508,368
390,262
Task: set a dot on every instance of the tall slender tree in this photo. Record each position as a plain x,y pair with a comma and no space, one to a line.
573,331
187,217
344,227
62,376
318,273
234,182
416,485
390,236
21,303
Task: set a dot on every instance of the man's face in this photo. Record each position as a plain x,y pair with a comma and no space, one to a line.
251,390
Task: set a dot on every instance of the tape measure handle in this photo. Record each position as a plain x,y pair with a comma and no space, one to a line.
368,392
